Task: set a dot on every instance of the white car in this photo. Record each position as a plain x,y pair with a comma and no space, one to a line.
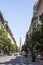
39,57
16,54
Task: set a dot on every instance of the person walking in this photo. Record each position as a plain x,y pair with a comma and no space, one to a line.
33,57
26,56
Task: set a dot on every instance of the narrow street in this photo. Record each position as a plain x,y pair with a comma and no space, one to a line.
17,60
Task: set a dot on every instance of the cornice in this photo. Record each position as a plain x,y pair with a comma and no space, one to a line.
38,4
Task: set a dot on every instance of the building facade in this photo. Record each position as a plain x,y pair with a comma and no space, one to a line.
35,22
37,11
4,24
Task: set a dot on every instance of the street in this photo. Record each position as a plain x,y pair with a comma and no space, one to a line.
17,60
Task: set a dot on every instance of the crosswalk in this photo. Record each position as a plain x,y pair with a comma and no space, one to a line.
24,64
17,64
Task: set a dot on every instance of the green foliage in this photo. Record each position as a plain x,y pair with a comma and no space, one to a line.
25,48
37,36
35,39
5,43
41,17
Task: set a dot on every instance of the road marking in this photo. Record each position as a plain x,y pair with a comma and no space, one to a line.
9,64
30,64
17,64
23,64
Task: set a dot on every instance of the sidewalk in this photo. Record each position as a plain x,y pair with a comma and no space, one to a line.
40,60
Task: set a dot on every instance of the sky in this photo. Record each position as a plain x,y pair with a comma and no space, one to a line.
18,13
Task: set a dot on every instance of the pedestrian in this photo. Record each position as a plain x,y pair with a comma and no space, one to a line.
33,57
26,56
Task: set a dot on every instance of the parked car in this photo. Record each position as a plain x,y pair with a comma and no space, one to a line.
23,53
16,54
39,57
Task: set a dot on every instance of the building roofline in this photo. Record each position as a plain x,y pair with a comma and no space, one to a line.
7,26
37,4
2,18
9,30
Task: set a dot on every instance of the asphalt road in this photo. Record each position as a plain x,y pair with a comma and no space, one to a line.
17,60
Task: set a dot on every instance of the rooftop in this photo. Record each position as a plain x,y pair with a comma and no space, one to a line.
37,4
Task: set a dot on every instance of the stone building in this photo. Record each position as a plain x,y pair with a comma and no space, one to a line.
4,24
37,11
35,22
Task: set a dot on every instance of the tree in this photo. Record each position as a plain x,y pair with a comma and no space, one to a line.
5,43
37,36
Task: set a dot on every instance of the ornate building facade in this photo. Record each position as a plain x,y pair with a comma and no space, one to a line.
4,24
37,11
